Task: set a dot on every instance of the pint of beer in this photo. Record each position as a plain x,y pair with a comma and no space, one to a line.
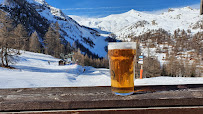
122,62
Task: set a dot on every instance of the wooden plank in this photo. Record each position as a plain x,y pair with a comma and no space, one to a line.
73,98
156,110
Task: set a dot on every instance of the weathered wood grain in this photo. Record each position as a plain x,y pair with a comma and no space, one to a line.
155,110
74,98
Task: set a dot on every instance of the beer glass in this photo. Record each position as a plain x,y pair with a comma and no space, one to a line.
122,65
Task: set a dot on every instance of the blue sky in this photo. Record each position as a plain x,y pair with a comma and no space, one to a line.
101,8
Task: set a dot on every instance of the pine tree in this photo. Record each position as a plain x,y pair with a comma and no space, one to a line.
151,67
79,58
58,46
172,66
34,44
21,37
86,60
52,40
49,41
7,42
68,48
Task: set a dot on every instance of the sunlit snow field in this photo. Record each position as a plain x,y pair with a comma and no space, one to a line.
33,70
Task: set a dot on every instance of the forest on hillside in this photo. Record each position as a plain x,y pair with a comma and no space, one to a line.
14,37
183,50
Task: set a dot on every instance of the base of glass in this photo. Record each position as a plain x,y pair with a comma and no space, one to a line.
123,94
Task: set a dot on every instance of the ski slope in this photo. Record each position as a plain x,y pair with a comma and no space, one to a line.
33,70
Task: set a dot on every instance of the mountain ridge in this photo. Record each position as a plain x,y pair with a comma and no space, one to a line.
135,23
37,15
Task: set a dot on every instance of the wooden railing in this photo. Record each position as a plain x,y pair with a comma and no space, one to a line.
167,99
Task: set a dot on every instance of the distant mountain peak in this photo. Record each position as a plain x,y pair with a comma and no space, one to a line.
40,1
136,22
132,11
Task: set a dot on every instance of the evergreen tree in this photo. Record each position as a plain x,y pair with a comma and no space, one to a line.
50,41
58,46
21,37
86,60
170,67
68,48
151,67
34,44
7,42
79,58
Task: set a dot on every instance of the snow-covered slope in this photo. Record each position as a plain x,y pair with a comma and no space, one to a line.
136,23
37,15
71,30
33,70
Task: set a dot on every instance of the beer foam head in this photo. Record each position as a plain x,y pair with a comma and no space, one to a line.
121,45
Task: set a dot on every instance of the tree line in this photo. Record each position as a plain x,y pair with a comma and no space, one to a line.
86,60
14,38
178,63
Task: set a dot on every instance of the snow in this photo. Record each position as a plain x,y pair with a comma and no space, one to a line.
124,24
152,53
38,1
169,80
70,29
33,70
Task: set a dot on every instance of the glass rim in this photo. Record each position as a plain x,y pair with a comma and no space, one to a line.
121,45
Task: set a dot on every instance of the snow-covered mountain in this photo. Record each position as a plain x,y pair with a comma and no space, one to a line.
135,23
37,15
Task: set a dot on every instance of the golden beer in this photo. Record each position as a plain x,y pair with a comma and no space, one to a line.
121,61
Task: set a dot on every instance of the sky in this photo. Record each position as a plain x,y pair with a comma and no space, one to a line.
101,8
